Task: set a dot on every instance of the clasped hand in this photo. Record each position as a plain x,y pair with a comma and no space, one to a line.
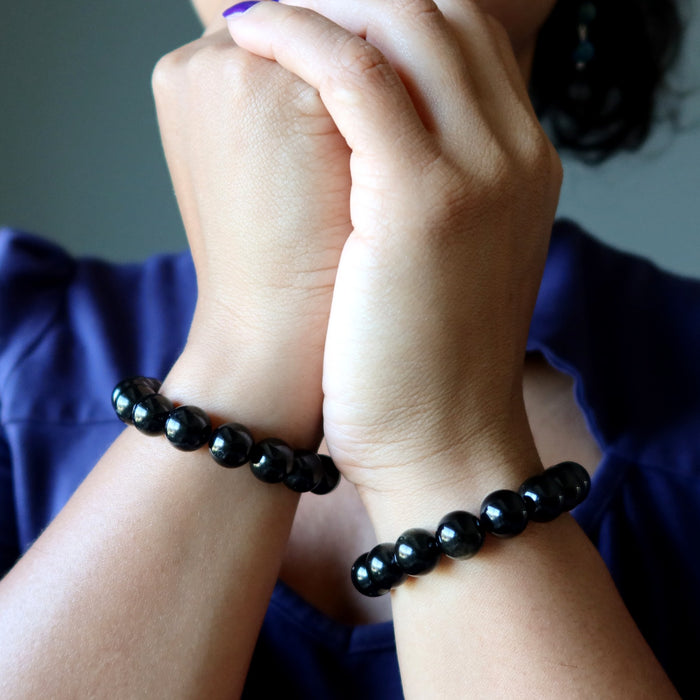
368,197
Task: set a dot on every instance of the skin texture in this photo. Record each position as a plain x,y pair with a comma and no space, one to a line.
403,271
520,20
350,178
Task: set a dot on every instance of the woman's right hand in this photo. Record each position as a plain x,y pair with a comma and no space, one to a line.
262,180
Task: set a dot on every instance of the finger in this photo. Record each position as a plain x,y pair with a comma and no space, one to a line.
446,50
512,70
363,93
461,54
453,69
418,42
499,84
528,137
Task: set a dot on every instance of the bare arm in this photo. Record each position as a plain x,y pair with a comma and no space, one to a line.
154,578
539,613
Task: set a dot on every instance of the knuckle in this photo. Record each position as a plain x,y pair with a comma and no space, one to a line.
214,56
203,62
224,73
531,147
165,72
305,101
421,9
493,170
359,58
541,158
236,67
557,167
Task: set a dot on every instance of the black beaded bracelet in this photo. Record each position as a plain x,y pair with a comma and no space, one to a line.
460,534
136,401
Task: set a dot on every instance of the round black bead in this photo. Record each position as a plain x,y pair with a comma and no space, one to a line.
543,497
150,414
271,460
331,477
503,513
230,445
417,551
307,471
359,575
574,482
130,392
384,572
188,428
460,535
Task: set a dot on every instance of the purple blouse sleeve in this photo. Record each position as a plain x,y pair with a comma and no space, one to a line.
32,274
69,330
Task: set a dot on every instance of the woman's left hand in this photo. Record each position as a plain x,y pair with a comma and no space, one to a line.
454,189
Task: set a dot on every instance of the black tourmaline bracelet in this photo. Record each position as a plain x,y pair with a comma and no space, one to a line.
459,534
136,401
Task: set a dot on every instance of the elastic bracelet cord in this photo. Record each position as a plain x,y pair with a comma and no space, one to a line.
460,534
136,401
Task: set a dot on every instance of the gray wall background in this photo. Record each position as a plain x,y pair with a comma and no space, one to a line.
81,162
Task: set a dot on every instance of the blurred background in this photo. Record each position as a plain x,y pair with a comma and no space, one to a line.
81,161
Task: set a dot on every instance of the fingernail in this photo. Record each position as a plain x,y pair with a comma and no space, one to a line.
240,7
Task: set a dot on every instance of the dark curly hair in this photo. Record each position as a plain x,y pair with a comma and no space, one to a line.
610,104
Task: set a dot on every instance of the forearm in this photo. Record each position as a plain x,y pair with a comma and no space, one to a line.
155,577
538,612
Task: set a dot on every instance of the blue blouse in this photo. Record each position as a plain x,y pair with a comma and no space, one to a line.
628,333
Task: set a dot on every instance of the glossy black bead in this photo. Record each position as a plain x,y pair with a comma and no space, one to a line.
504,513
574,481
417,551
307,471
150,414
188,428
331,477
130,392
359,575
230,445
271,460
460,535
543,497
384,572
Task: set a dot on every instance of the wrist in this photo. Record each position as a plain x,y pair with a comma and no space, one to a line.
418,495
269,397
460,534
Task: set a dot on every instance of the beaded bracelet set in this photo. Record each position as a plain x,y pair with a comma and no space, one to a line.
459,534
